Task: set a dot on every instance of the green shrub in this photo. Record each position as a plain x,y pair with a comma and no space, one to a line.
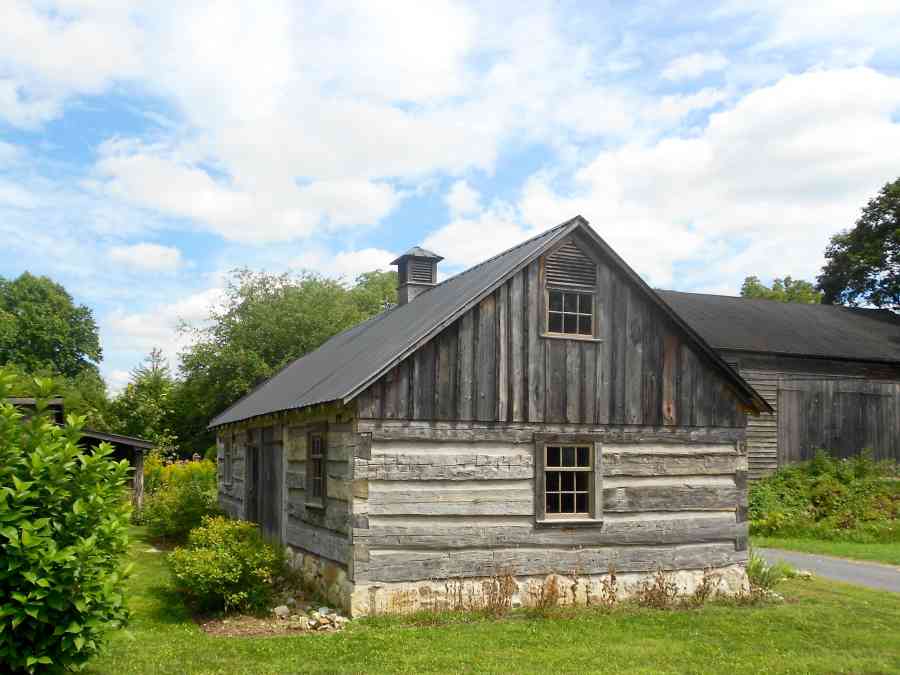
63,533
854,499
227,565
177,496
763,575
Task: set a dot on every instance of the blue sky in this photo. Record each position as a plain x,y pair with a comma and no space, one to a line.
145,151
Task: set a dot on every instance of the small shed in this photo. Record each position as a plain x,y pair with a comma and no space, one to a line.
542,413
831,374
125,447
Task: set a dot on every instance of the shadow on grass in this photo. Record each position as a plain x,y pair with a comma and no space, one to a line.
166,605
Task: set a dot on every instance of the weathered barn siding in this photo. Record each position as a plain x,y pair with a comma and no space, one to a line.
495,364
769,374
462,504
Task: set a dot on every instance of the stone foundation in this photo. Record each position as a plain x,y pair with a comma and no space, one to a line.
397,598
325,578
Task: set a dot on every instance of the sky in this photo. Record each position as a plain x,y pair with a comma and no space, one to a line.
147,149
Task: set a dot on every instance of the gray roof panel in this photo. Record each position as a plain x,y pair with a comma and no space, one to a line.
825,331
349,361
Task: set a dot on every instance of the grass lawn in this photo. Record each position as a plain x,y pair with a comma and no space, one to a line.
823,628
883,553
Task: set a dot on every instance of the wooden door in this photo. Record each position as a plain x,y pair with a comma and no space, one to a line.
270,483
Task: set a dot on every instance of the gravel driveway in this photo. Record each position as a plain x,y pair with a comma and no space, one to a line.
871,575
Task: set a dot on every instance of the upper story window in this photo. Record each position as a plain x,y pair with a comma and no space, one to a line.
571,278
315,468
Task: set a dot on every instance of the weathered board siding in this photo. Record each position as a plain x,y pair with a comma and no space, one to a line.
768,373
464,506
844,417
494,364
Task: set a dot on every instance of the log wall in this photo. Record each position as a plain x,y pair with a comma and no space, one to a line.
464,505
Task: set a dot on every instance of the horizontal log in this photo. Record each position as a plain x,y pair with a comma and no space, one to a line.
391,566
429,536
634,464
318,541
674,497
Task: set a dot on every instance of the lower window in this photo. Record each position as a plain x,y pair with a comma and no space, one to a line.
568,480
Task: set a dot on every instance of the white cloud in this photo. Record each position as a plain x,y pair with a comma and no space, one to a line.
346,265
694,65
463,198
147,257
758,191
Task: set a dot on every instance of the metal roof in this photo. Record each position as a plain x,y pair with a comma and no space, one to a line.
350,361
768,326
417,252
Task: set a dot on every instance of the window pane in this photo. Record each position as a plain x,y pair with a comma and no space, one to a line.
584,325
581,481
570,302
581,503
567,503
567,481
552,503
556,323
584,456
570,324
585,304
568,457
552,481
553,456
556,301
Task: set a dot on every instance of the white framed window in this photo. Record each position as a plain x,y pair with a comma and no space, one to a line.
568,479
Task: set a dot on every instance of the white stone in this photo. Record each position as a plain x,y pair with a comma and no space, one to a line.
282,611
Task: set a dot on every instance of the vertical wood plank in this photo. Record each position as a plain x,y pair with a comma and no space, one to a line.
446,373
651,371
536,345
687,386
518,348
486,360
634,357
556,380
669,374
502,350
589,353
465,366
574,381
617,355
404,384
604,352
423,375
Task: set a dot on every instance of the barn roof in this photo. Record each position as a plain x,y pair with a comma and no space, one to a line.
350,361
747,324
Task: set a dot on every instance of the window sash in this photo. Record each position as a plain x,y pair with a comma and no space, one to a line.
570,312
566,477
316,462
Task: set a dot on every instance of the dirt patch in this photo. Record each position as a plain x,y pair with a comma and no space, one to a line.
249,626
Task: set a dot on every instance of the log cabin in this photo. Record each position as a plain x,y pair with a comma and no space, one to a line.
543,414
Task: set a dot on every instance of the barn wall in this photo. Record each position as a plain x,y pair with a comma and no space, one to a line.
457,501
767,373
494,364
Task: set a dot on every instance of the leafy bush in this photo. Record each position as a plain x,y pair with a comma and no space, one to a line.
63,532
853,499
177,496
765,576
227,565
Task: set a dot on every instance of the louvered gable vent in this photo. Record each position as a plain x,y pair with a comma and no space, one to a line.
421,271
568,266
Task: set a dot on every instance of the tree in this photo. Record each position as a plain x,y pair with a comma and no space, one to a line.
863,264
41,328
267,321
782,290
145,407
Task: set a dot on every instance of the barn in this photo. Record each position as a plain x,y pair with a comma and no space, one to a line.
542,413
831,374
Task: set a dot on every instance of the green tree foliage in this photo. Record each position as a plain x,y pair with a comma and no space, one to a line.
863,264
41,328
145,407
267,321
63,534
782,290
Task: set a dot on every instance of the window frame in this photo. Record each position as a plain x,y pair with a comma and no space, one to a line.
595,481
320,433
572,290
